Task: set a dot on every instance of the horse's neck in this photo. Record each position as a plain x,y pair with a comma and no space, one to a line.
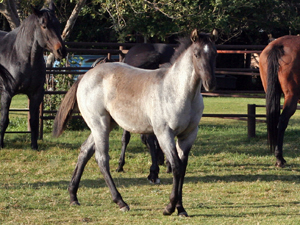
182,77
27,44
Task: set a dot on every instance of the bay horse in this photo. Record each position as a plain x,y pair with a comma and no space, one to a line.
22,54
280,73
166,102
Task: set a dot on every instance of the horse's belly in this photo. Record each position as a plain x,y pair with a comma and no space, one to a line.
132,122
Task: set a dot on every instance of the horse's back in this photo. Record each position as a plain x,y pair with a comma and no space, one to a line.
166,52
121,91
289,62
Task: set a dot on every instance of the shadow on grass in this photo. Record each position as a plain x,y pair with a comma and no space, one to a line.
128,182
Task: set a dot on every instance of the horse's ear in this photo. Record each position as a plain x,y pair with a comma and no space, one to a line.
214,35
52,6
35,11
194,35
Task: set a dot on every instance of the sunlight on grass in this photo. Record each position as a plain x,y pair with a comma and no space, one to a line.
230,178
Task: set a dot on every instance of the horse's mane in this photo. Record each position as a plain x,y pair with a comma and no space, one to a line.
26,28
184,43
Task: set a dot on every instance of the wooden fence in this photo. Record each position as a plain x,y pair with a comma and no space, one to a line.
119,50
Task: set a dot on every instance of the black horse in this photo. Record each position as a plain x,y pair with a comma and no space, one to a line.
148,56
22,55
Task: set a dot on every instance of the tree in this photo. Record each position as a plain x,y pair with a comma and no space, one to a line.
9,10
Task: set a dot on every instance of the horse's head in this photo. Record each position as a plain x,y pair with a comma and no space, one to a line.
48,35
204,57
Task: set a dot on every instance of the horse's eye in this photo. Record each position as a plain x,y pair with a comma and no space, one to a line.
44,27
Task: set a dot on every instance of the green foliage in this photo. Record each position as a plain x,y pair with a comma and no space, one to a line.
61,82
158,20
238,21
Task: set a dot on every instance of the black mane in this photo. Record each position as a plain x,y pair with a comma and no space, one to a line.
184,43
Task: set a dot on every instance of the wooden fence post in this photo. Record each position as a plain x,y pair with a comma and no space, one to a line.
251,120
121,56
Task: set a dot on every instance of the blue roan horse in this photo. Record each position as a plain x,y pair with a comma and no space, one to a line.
166,102
148,56
145,56
22,54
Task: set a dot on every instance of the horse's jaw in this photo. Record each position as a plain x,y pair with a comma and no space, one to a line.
209,84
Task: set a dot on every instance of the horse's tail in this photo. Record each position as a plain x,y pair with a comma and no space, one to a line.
273,94
7,80
67,106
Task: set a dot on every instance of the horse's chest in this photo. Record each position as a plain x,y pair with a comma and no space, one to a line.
30,80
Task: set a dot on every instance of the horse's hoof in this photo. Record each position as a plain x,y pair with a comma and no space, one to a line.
157,181
74,203
280,164
183,214
167,212
119,170
125,208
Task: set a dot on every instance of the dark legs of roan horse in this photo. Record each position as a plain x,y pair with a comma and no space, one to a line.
86,152
34,103
156,153
289,108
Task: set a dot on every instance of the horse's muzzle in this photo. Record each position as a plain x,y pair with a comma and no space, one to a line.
60,51
209,85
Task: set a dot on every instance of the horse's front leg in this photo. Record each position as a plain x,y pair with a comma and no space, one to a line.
125,140
87,150
289,108
5,103
183,146
167,144
34,104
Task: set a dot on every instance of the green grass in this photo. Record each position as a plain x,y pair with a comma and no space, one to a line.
230,179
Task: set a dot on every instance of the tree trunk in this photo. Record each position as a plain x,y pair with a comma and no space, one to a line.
9,10
68,28
72,19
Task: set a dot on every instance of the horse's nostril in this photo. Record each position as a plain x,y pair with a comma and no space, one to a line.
59,52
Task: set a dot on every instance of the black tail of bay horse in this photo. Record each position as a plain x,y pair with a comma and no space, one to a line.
22,54
280,74
273,95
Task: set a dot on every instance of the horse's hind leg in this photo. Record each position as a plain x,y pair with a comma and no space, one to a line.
87,150
152,144
101,138
5,103
289,108
125,140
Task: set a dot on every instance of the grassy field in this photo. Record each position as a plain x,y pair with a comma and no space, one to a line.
230,179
